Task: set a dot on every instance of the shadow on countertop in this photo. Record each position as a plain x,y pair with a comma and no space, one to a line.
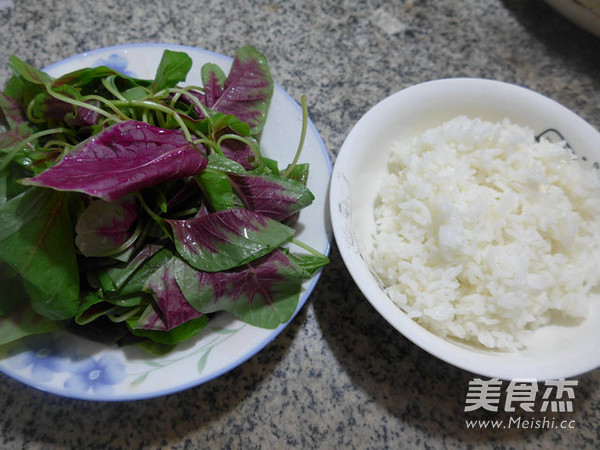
427,395
172,421
574,44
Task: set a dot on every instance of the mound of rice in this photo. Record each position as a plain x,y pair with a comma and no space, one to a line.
484,234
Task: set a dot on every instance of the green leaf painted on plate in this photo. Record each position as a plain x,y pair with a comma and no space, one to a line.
202,361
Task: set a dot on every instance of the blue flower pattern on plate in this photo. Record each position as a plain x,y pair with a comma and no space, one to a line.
100,375
115,62
45,356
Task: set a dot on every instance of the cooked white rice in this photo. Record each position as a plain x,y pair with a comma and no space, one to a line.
484,234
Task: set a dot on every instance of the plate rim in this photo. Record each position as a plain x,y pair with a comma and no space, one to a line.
269,334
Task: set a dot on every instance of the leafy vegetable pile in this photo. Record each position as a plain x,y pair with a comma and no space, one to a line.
131,209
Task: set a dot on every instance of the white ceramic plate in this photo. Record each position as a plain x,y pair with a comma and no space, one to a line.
553,351
70,366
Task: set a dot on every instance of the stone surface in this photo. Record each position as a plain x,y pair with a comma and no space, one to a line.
339,376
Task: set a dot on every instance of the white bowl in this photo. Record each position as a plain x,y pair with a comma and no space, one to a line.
585,13
552,352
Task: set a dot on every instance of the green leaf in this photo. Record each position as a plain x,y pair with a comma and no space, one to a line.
92,307
14,294
84,77
103,227
212,74
23,322
130,278
137,281
3,187
181,333
172,69
309,263
217,189
22,209
129,301
21,90
220,121
224,164
11,113
299,173
10,187
135,93
270,165
154,348
28,72
38,244
15,88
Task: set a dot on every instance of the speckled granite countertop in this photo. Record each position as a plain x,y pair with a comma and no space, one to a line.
339,376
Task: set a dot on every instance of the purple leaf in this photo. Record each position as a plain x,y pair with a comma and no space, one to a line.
173,307
188,191
53,109
14,119
122,159
104,226
11,112
246,92
57,110
263,293
228,238
213,81
13,137
239,152
248,89
274,197
84,116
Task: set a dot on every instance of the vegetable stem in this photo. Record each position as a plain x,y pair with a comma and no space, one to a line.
186,93
306,247
110,87
125,245
158,107
123,317
80,104
249,142
19,146
302,137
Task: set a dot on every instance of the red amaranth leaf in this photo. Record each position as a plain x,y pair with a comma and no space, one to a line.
122,159
173,307
274,197
248,89
263,293
239,152
213,80
226,239
105,226
11,112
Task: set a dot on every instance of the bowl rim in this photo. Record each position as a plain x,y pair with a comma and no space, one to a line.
579,14
492,364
